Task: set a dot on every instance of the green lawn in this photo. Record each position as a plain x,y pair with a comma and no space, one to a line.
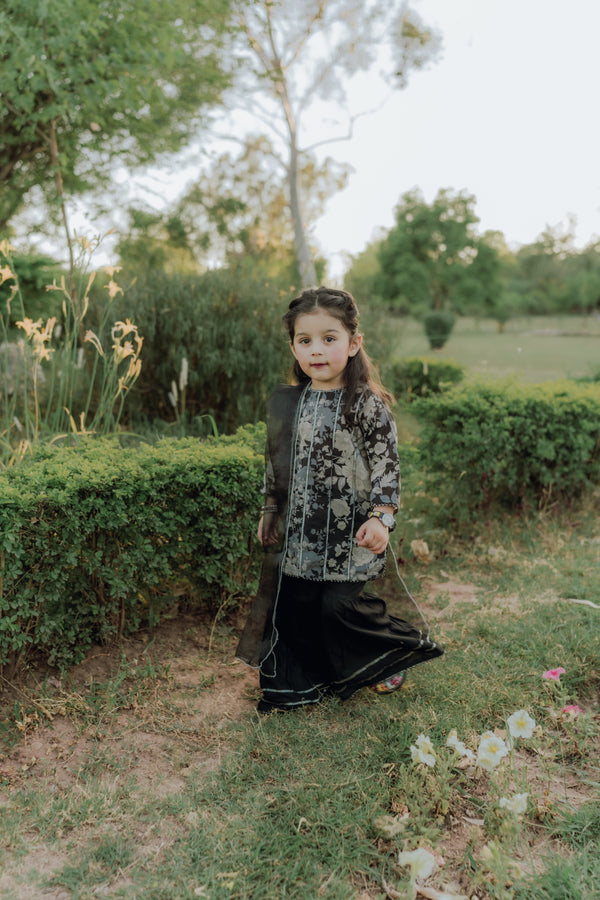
531,349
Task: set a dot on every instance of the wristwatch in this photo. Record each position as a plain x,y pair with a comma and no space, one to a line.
386,518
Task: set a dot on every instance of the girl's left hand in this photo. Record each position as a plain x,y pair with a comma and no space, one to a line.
373,536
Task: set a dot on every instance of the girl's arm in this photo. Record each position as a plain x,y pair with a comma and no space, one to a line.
381,454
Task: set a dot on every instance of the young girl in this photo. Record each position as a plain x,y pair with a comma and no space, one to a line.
331,491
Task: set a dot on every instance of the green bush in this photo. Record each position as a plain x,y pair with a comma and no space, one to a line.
418,376
438,325
227,325
507,443
94,538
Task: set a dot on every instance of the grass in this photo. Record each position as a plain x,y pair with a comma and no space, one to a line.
531,349
154,777
318,803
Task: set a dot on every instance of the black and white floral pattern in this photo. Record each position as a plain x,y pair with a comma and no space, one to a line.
341,467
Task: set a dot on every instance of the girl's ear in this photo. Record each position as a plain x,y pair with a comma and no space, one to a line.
292,349
355,344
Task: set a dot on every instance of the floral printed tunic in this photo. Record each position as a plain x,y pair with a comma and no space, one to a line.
340,468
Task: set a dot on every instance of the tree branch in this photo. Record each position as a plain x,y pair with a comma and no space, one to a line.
350,132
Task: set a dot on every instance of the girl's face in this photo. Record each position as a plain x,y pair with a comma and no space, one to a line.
322,347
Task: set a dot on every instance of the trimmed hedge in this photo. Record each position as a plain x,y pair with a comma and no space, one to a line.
95,538
420,376
513,444
438,325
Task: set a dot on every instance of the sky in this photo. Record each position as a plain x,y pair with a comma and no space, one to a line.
509,114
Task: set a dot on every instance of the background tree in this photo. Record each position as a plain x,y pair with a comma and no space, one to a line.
295,55
362,275
433,258
552,276
86,82
236,209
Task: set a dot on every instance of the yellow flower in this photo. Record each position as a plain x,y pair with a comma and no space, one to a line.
126,327
6,247
29,326
122,351
39,336
84,242
57,287
6,273
92,338
113,289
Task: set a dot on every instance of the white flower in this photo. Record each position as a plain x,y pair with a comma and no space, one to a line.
461,749
423,752
516,805
421,862
520,724
490,751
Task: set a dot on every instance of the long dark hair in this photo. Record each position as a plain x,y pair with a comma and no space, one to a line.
360,374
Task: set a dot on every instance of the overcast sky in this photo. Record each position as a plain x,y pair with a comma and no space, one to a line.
509,113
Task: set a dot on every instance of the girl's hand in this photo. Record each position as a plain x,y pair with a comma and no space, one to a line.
373,536
267,530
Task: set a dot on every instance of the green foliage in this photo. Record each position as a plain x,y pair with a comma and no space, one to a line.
433,258
362,274
94,538
418,376
438,326
502,442
76,91
552,276
227,325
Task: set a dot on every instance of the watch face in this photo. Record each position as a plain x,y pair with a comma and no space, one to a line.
388,520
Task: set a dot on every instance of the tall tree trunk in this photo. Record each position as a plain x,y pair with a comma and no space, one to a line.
306,267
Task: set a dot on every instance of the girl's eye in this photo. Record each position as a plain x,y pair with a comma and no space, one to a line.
330,339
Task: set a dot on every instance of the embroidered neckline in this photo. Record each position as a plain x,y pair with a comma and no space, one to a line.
331,391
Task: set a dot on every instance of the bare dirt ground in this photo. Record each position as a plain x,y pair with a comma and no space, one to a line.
193,659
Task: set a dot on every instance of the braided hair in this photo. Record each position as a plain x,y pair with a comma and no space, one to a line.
360,373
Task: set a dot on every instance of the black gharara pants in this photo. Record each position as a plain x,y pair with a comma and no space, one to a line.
331,637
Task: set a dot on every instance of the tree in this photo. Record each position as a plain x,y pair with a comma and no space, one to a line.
237,209
433,257
86,82
362,275
552,276
296,54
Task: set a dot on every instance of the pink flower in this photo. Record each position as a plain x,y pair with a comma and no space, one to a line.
571,710
554,674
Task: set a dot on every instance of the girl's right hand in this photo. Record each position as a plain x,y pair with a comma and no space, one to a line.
267,530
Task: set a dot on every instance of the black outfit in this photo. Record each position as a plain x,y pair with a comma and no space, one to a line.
314,628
